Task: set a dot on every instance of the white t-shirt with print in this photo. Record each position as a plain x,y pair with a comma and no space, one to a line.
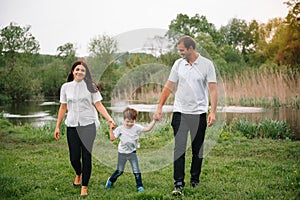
128,137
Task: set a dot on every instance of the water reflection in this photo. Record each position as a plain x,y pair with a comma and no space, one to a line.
40,113
35,113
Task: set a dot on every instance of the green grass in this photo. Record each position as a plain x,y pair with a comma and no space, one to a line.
34,166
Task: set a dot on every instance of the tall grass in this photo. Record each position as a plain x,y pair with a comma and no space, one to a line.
264,87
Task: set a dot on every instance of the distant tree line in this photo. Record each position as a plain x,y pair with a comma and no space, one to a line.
238,46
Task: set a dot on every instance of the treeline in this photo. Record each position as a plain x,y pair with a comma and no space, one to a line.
240,50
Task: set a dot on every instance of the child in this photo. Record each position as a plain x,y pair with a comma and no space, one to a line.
128,134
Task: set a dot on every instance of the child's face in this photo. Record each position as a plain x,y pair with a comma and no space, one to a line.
129,122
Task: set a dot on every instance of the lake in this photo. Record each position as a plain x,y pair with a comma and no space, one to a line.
40,113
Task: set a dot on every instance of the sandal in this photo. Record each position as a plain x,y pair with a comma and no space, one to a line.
84,191
77,181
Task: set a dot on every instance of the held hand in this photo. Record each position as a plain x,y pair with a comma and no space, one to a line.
158,115
211,119
155,117
111,128
111,124
57,134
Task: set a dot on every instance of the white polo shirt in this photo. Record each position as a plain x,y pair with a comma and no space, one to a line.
80,104
191,96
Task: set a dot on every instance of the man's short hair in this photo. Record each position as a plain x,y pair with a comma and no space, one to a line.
187,41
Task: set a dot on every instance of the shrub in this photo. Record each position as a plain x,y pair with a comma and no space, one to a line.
267,128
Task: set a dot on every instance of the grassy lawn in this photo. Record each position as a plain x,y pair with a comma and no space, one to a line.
34,166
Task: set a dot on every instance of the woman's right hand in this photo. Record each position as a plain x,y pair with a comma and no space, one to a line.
111,130
57,134
111,124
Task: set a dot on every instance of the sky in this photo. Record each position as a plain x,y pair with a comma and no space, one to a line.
57,22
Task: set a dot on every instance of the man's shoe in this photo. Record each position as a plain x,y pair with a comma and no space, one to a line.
194,184
177,191
108,184
140,189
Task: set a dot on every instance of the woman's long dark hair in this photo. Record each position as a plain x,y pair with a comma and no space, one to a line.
91,85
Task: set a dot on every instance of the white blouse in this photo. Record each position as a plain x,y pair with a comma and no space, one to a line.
80,104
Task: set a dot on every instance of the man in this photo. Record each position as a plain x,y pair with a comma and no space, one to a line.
194,76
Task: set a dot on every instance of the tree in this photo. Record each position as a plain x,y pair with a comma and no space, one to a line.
250,43
53,75
102,50
17,43
67,52
251,37
242,36
293,17
269,42
207,46
18,48
19,85
289,51
169,58
234,33
184,25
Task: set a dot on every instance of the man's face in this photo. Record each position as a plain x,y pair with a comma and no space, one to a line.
183,51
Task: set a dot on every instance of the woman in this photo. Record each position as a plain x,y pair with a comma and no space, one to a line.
80,96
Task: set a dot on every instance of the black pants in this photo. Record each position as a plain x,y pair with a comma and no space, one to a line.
80,142
182,124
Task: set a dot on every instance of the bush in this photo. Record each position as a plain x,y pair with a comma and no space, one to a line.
5,99
267,128
274,129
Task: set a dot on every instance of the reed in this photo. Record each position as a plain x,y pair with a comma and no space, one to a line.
264,87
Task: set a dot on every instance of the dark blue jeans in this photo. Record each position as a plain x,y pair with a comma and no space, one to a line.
133,159
80,142
196,125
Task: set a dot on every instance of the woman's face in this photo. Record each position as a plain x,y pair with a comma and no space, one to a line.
79,73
